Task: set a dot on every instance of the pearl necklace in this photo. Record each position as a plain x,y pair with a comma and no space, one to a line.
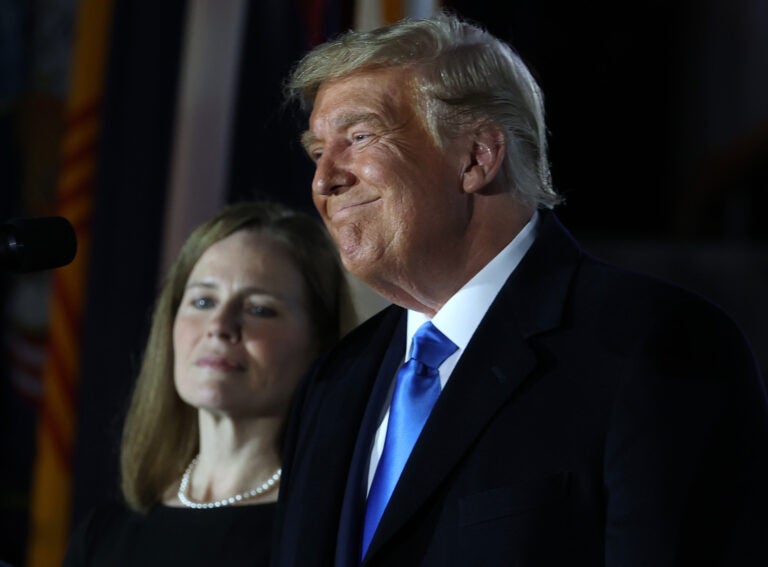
263,488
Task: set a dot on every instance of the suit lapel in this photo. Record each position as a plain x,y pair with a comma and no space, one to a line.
330,425
352,514
496,362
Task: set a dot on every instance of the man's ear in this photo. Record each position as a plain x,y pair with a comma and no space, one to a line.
485,159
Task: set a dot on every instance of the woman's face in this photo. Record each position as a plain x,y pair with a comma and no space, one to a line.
242,337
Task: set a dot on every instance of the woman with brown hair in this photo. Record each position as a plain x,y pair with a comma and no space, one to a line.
256,294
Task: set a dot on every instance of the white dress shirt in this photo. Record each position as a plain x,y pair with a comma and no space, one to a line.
460,316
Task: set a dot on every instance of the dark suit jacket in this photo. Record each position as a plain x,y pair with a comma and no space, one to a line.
597,417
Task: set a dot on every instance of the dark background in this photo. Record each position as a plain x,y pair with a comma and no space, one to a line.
658,133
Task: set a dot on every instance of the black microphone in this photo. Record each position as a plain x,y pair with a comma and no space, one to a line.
35,244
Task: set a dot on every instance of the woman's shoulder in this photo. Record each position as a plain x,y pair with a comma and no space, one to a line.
104,517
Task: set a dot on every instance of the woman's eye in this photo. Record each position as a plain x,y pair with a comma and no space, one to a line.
202,303
261,311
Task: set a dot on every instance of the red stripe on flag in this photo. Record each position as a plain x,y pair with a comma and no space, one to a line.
84,152
62,377
61,446
23,364
83,113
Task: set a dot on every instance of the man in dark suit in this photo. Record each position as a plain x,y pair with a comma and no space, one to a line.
579,415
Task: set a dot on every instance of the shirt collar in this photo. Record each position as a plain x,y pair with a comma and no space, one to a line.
460,316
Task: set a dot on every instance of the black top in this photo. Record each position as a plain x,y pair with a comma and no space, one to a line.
112,535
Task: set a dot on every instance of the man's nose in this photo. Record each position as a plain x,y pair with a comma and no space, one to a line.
332,175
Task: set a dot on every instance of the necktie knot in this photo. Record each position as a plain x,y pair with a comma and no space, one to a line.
430,348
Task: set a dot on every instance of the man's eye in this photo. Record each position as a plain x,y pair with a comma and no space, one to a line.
360,137
261,311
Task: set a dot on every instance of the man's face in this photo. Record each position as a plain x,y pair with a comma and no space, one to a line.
391,198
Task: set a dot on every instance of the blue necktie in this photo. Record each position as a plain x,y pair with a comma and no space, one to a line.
416,391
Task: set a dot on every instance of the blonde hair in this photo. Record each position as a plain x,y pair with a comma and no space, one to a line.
160,436
463,76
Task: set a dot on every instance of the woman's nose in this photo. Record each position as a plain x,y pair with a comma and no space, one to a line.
224,325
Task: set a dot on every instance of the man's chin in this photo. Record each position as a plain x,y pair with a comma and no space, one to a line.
361,263
358,264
